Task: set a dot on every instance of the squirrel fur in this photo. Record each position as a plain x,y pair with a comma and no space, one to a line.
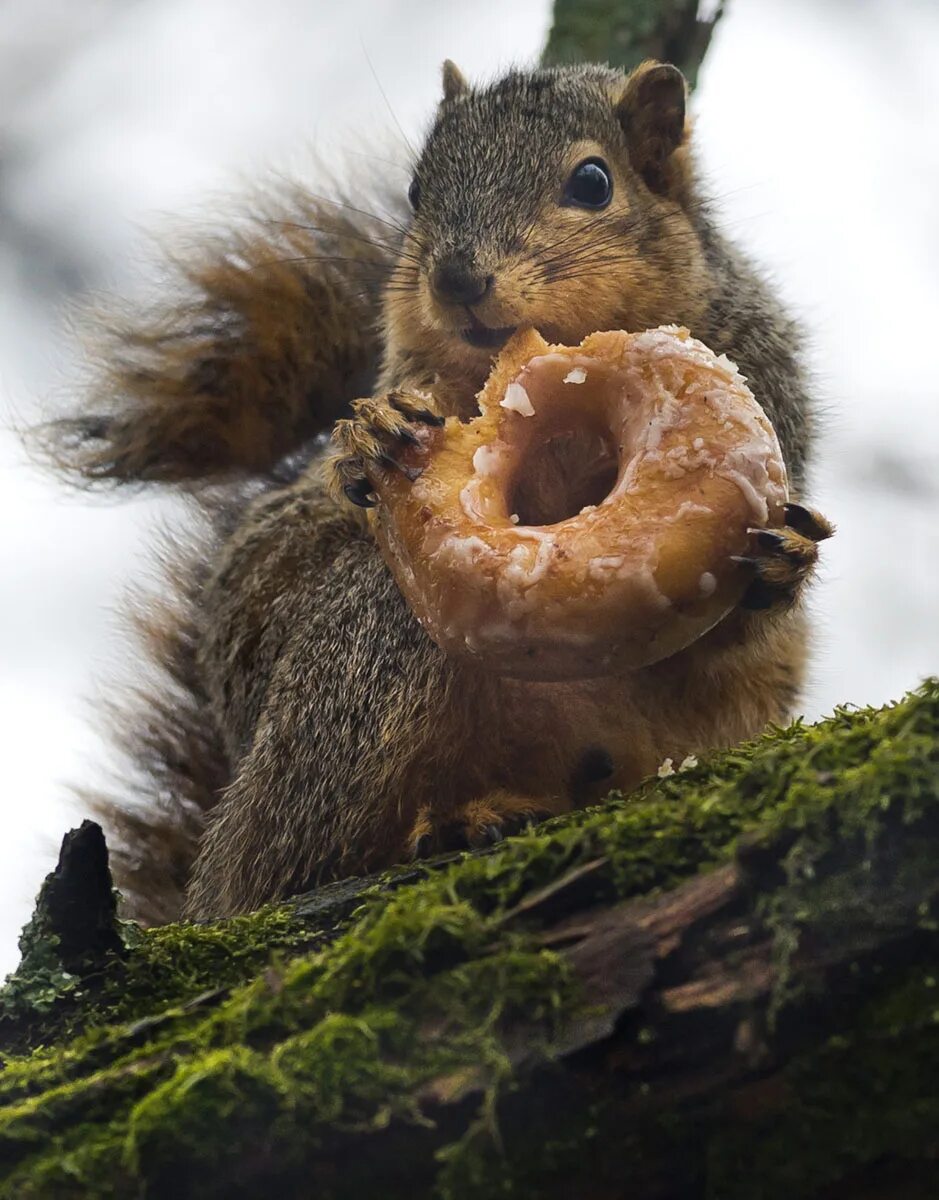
306,727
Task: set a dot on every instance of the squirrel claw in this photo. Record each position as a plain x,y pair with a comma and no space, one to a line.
423,846
489,835
403,403
360,493
782,559
769,539
478,825
366,442
523,821
409,438
808,522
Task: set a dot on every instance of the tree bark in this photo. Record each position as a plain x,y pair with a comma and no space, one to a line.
582,1012
625,32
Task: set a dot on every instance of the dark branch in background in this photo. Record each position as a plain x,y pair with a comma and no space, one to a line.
625,32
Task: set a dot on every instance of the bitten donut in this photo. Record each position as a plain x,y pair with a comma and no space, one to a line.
584,524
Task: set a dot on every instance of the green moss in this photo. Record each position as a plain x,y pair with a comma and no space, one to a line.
255,1031
280,1043
188,1125
855,763
166,967
42,981
177,962
625,32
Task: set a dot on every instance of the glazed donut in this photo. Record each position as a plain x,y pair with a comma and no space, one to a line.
584,523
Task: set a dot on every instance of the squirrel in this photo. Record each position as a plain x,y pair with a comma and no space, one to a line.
307,728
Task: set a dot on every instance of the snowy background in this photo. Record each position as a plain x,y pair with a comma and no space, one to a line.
816,124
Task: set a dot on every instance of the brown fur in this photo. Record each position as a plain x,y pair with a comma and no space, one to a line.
314,722
174,760
266,337
354,759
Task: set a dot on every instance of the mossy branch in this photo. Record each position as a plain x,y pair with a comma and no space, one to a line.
723,986
625,32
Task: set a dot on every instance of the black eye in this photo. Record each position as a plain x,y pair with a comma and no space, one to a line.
590,185
414,195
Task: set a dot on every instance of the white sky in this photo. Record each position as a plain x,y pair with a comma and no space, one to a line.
815,124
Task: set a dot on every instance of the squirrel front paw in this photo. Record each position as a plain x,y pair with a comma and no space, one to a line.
783,559
477,824
368,440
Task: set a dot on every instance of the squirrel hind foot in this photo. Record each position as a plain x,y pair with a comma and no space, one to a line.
478,824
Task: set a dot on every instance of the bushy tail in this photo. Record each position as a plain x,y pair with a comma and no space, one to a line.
264,339
174,761
267,335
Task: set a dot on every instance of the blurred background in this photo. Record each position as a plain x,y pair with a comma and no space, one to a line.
121,119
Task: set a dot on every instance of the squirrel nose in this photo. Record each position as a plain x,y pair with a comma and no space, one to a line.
454,283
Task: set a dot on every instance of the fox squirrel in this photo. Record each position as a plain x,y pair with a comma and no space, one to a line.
307,728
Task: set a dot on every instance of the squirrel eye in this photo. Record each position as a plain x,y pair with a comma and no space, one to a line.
590,185
414,195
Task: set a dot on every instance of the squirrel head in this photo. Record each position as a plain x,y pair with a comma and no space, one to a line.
560,199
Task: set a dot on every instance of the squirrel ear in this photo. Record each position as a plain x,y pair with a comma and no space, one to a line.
454,84
651,111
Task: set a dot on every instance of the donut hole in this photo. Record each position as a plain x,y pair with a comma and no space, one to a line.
562,473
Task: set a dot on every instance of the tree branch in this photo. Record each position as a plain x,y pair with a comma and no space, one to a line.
625,32
582,1012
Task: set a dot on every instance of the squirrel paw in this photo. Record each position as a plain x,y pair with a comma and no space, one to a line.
783,559
368,439
476,825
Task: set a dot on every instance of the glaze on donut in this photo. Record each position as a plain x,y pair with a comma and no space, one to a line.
584,523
